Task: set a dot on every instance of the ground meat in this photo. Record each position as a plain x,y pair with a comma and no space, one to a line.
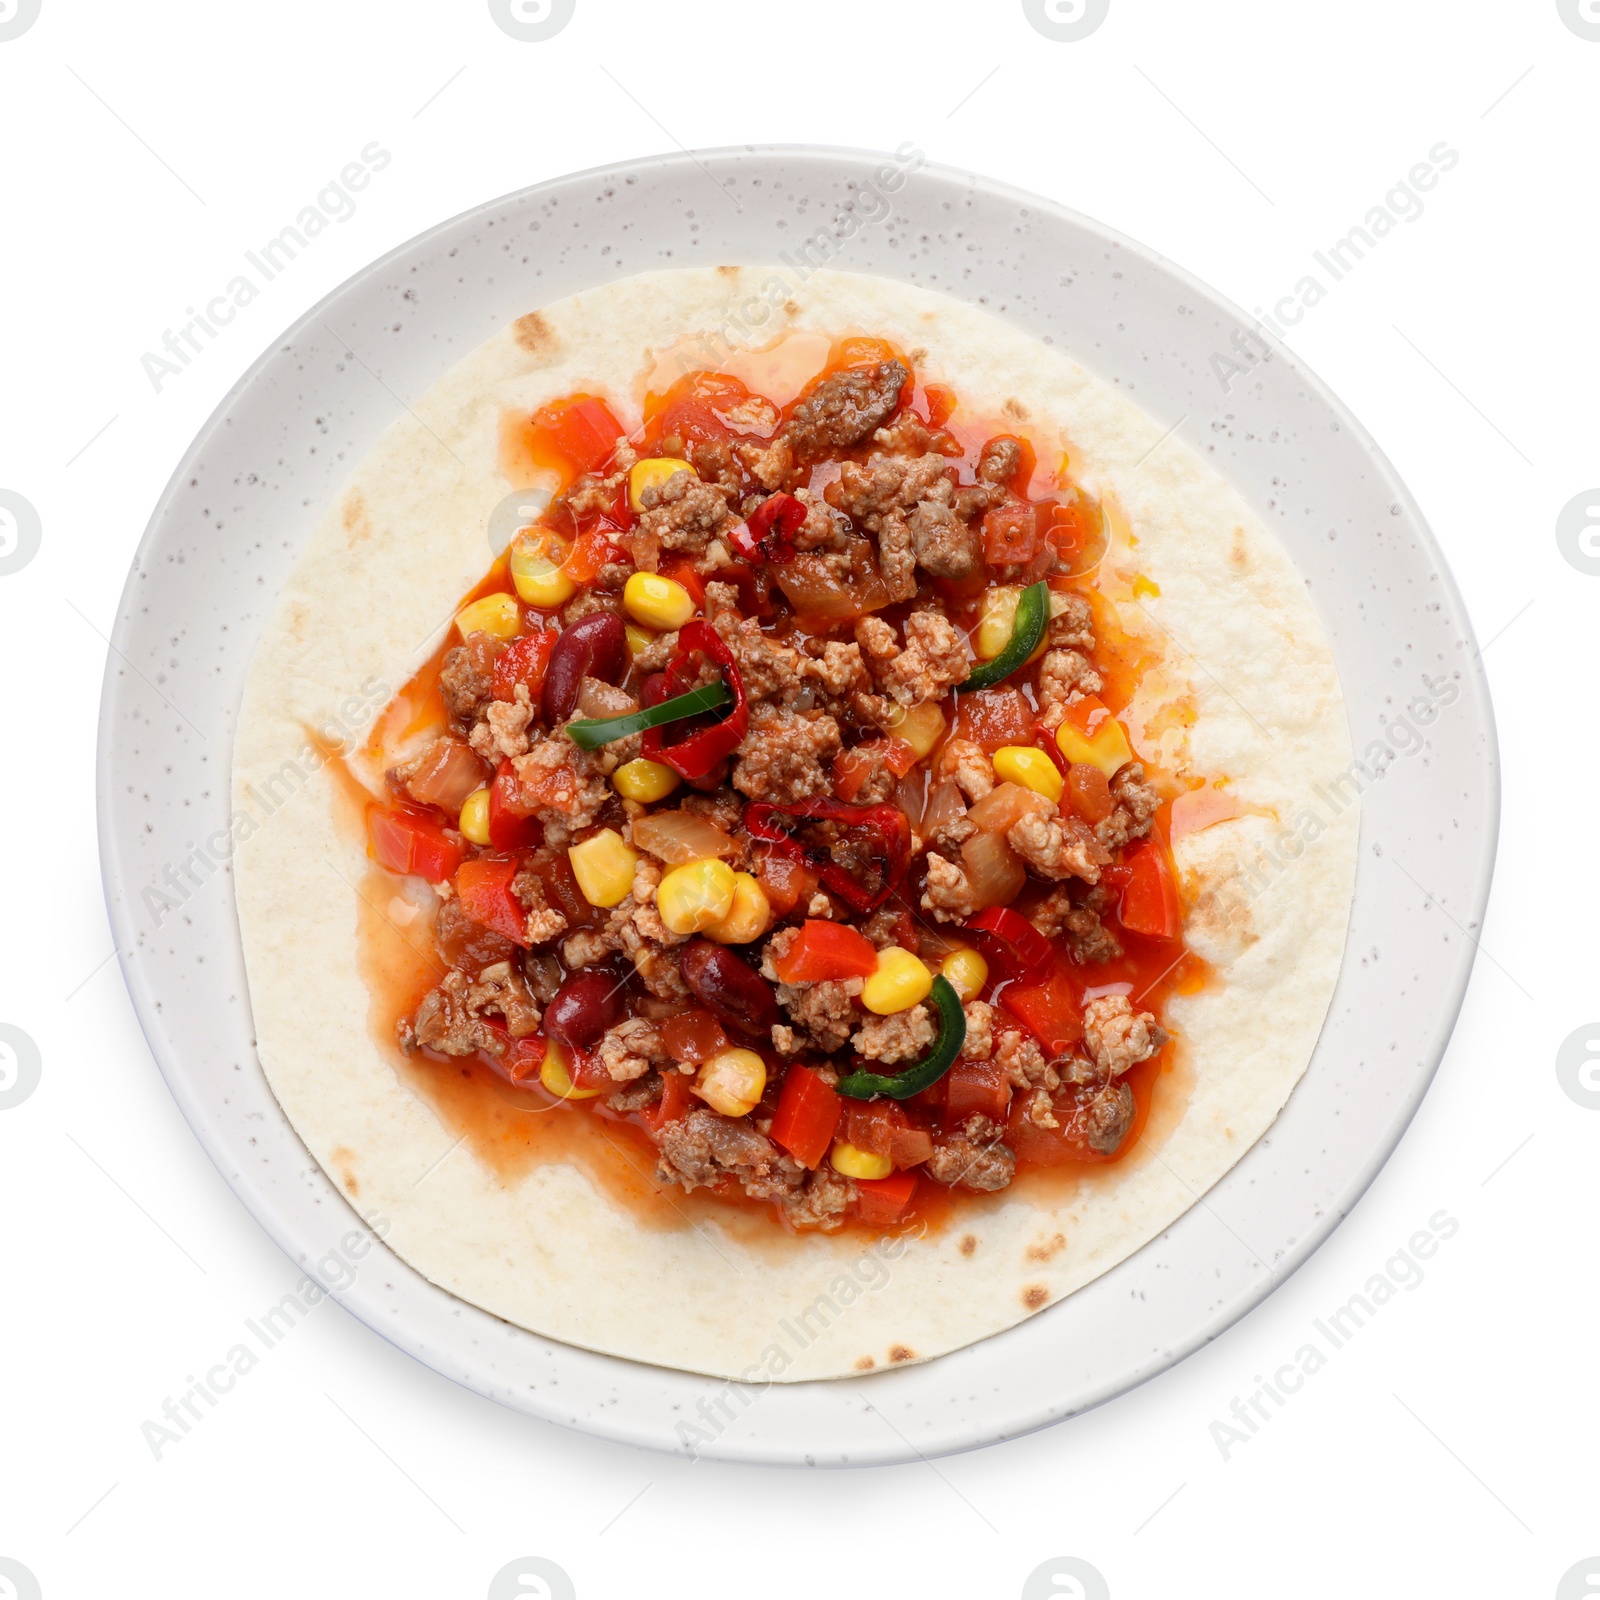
502,988
637,1095
973,1157
949,895
466,678
559,782
1063,676
1117,1037
655,655
900,1036
1135,809
769,464
632,1048
909,435
588,604
821,1202
713,459
768,669
1056,846
943,543
1018,1055
782,757
697,1150
683,514
889,925
931,662
1108,1112
823,1013
838,671
1087,937
979,1043
586,947
502,727
879,780
888,487
1071,625
445,1022
969,764
842,410
999,461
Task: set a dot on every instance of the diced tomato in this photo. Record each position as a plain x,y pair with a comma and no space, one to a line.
976,1088
675,1102
1088,791
882,1201
1062,1145
589,553
753,583
787,882
522,1059
578,433
1052,1010
994,717
509,829
588,1071
1011,534
683,572
941,403
484,888
808,1112
1076,526
1150,899
909,1146
825,950
524,661
404,839
694,1035
870,1125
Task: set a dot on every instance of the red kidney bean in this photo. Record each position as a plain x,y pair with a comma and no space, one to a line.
595,646
584,1007
733,991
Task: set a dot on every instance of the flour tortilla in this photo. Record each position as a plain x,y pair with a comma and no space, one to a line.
1251,693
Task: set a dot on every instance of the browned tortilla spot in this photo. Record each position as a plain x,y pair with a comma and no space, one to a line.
1222,915
345,1161
728,272
865,1364
1035,1296
917,356
791,308
1015,410
357,522
536,336
969,1243
900,1352
1044,1249
1239,551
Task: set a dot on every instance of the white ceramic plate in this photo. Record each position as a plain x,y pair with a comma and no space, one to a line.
230,526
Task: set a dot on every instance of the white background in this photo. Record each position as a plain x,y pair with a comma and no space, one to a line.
1445,1448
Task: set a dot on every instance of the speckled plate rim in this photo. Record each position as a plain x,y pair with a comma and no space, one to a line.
1076,1354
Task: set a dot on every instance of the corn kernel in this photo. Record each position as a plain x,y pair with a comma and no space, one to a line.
967,972
638,638
854,1163
657,602
651,473
900,982
750,917
1107,747
474,819
1031,767
644,781
603,865
732,1082
495,614
536,557
922,727
696,896
555,1073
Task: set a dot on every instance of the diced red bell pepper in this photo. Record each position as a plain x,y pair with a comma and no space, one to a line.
1012,943
522,1059
694,1035
1052,1010
976,1088
883,1201
824,950
683,572
589,553
675,1102
524,661
787,882
588,1071
484,888
767,534
509,827
1150,898
404,839
696,746
808,1112
580,432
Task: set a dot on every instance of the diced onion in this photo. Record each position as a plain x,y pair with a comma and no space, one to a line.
993,870
1003,806
678,836
597,698
446,775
